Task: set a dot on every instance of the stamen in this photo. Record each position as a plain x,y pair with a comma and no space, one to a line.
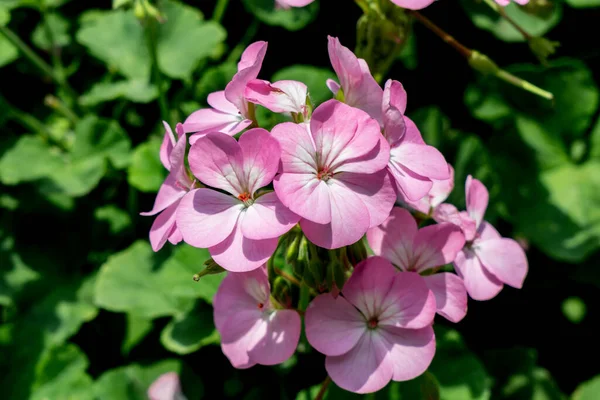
244,197
260,306
372,323
324,174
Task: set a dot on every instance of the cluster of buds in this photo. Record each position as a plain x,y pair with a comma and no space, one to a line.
350,197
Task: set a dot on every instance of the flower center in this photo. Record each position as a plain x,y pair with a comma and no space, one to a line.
324,174
372,323
260,306
246,198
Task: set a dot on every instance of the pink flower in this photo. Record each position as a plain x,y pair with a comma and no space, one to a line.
414,4
252,330
439,192
177,184
358,85
285,4
488,261
240,230
229,113
507,2
279,97
166,387
379,330
413,164
333,174
411,249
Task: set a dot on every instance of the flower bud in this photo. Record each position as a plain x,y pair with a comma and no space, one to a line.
281,290
210,268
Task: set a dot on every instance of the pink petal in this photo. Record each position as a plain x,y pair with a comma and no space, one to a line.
168,194
243,332
486,231
374,161
279,97
349,219
409,350
166,387
218,101
163,227
505,259
412,134
208,120
261,154
408,304
448,213
177,161
394,238
217,160
450,295
341,134
364,369
437,245
267,218
477,199
374,190
280,340
439,192
423,160
296,3
240,254
333,326
480,284
241,292
369,285
394,106
333,86
413,4
206,217
304,195
298,153
248,69
167,146
175,236
412,187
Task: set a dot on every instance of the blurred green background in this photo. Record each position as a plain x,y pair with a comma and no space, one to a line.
88,311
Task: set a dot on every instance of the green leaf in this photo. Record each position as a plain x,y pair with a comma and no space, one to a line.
139,281
190,331
29,159
292,19
583,3
99,138
8,52
574,309
58,27
588,390
146,173
595,141
548,147
313,77
460,374
4,16
184,40
535,24
137,329
120,3
15,274
61,375
138,91
117,219
117,38
215,79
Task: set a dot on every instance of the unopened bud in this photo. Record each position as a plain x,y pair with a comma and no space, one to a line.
293,245
482,63
542,48
210,268
281,290
143,10
356,252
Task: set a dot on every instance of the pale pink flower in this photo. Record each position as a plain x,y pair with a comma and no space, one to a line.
400,241
166,387
333,174
439,192
252,330
177,184
507,2
358,85
229,113
488,261
286,4
414,4
240,230
413,164
279,97
378,330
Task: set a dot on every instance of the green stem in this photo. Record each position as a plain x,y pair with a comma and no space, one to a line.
304,297
219,10
37,60
151,34
500,10
56,104
239,49
323,388
523,84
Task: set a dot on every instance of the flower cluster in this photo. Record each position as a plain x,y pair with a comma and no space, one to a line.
311,189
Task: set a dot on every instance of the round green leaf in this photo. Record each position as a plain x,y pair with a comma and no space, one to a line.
292,19
583,3
146,173
588,390
59,29
190,331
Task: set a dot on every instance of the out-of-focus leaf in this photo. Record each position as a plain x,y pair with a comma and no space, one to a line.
215,79
292,19
15,274
117,219
588,390
10,4
121,3
536,25
97,138
548,147
461,376
583,3
139,281
4,16
595,141
61,375
29,159
184,39
313,77
138,91
190,331
59,29
8,52
408,55
146,173
574,309
137,329
117,38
